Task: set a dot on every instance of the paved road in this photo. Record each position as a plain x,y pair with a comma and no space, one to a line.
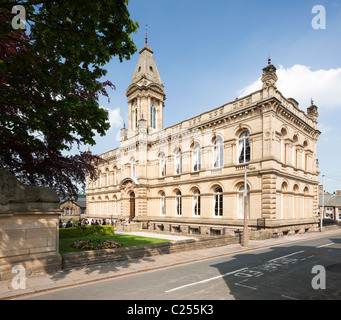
278,273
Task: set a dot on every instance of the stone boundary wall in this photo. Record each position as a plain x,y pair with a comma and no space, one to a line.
84,258
78,259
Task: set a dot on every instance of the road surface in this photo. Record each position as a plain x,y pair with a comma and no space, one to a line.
307,270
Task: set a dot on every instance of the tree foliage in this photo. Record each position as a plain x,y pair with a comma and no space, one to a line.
50,83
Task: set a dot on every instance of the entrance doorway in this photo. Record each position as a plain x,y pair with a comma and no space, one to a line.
132,206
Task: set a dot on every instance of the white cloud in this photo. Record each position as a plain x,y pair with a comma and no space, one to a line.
302,84
324,128
115,119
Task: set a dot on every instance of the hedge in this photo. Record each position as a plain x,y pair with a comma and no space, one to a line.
85,231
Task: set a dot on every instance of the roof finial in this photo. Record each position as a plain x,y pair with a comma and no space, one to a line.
312,101
269,59
146,40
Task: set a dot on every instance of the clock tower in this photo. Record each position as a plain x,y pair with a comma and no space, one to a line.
146,94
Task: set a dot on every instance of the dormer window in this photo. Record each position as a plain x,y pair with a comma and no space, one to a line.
151,68
139,69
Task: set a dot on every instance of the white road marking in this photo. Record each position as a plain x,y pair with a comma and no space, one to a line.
287,297
245,286
204,281
326,245
289,255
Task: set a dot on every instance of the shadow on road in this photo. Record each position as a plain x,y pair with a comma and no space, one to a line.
285,272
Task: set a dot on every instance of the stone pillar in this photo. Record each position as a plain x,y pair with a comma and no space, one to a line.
29,228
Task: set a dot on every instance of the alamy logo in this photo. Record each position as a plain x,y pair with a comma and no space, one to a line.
19,20
319,281
19,281
319,21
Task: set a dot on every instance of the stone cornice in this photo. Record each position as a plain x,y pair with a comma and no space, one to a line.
153,87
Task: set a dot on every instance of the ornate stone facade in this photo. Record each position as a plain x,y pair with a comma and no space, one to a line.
190,177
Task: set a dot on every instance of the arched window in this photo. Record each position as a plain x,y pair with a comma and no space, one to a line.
283,147
163,204
295,203
115,206
196,158
284,199
218,202
107,180
218,153
107,206
178,204
294,151
115,176
92,206
162,165
196,203
100,179
100,206
153,117
304,156
178,162
306,203
244,150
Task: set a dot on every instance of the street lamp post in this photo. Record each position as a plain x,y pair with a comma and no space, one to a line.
322,213
245,231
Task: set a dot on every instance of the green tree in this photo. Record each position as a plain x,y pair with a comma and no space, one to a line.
50,83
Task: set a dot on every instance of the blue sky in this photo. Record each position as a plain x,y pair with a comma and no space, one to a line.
210,52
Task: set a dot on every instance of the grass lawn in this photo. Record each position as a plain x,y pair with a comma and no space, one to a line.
126,240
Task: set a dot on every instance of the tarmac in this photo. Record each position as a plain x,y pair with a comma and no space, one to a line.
44,282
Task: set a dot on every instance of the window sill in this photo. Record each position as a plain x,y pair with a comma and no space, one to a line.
216,170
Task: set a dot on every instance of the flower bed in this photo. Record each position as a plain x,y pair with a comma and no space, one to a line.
96,244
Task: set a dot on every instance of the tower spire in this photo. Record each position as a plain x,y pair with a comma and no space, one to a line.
146,93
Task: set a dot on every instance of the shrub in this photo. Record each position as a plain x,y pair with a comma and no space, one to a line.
86,231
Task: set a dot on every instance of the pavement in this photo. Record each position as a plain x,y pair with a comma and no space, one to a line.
39,283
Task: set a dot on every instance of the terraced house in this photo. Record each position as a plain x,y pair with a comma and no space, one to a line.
190,177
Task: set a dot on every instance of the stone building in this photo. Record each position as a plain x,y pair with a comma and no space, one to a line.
330,205
73,209
190,177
